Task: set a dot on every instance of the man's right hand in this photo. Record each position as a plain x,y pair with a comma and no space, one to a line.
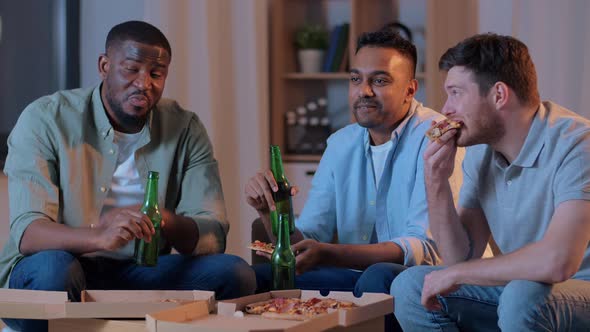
259,191
439,157
118,226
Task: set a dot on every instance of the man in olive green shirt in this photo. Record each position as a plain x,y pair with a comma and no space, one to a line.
77,167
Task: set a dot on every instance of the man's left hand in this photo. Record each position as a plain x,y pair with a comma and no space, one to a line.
440,282
308,254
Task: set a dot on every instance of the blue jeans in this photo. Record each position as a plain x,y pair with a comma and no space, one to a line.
377,278
55,270
521,305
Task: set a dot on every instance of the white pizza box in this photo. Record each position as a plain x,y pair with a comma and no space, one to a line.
368,316
18,303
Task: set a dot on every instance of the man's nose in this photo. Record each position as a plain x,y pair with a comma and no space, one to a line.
143,81
366,90
447,109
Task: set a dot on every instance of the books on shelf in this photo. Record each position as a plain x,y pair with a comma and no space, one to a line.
336,58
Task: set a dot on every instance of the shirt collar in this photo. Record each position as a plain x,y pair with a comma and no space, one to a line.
102,121
398,131
100,114
534,142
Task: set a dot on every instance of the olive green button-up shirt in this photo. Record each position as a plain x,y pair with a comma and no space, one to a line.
62,157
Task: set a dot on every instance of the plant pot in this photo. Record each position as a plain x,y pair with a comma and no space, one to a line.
310,60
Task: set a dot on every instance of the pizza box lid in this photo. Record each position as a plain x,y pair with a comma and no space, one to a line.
18,303
192,318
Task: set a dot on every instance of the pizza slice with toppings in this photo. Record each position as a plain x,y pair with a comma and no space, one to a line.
296,309
442,127
262,246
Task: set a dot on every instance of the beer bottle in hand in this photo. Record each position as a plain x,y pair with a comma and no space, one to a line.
282,196
282,261
146,253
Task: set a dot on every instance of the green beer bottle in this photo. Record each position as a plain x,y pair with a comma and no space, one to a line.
146,254
282,261
282,197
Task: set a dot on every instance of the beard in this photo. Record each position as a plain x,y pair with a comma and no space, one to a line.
487,129
370,121
124,119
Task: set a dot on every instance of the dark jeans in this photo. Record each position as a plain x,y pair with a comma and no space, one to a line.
377,278
55,270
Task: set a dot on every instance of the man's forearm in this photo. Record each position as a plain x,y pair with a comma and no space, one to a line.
47,235
361,256
182,232
448,232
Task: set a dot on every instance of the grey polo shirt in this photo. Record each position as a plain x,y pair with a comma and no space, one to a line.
519,199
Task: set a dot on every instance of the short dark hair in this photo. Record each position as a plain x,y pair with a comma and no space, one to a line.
494,58
388,38
137,31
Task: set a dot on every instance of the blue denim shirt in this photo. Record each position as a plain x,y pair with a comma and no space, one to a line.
345,201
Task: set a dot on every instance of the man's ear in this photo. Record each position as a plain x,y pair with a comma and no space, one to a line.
500,94
411,90
103,65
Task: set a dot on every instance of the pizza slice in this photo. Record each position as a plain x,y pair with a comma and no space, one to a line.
262,246
442,127
296,309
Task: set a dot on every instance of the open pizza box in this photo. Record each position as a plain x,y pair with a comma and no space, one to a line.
17,303
195,317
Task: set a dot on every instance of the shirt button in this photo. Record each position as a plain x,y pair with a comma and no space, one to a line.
371,202
103,189
111,151
365,237
509,182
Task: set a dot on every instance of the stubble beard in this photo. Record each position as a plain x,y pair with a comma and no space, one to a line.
124,119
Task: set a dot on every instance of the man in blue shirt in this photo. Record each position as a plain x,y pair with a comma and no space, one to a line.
526,182
369,188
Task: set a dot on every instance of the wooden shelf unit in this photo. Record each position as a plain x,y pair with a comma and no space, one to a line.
446,23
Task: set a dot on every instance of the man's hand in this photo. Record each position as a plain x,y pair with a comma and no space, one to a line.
120,225
439,156
308,254
440,282
259,191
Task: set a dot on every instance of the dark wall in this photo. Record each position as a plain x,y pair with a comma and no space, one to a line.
39,55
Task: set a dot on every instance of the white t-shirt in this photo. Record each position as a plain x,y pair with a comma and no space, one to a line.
127,188
379,154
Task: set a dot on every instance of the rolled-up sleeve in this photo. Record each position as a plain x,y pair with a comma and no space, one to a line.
32,176
201,193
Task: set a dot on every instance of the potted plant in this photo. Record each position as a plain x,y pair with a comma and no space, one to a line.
311,41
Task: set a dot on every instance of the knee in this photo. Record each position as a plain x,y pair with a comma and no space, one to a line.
520,303
377,278
407,286
57,270
237,270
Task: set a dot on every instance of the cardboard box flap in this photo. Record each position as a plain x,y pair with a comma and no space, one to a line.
133,304
25,303
32,296
180,314
138,296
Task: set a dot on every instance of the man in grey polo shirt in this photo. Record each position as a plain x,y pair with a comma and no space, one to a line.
526,183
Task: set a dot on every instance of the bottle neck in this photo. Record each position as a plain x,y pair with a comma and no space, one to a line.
276,163
151,191
283,240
